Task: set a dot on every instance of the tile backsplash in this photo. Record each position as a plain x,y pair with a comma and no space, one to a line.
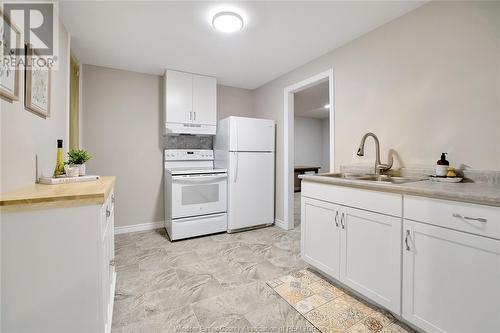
188,142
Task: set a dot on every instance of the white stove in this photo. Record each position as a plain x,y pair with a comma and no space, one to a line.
195,194
194,170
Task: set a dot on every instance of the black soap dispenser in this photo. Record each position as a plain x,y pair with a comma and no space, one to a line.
442,166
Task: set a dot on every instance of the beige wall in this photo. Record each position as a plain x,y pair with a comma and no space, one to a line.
426,83
25,134
234,102
308,142
122,116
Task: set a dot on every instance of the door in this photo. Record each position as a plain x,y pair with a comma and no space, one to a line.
204,100
450,280
251,189
178,97
250,134
371,255
194,195
320,241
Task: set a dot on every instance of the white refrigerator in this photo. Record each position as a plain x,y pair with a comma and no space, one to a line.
245,147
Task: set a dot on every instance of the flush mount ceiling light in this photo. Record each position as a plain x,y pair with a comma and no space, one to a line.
227,22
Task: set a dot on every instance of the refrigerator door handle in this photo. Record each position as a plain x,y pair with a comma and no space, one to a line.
236,167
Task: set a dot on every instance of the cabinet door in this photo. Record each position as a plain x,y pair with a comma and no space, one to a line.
320,242
371,256
111,245
204,100
178,97
450,280
105,281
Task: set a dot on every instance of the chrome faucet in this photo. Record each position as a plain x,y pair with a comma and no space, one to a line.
379,167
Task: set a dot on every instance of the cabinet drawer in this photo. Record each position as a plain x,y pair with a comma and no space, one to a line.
471,218
376,201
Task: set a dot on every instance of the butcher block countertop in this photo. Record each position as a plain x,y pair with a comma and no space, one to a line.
92,192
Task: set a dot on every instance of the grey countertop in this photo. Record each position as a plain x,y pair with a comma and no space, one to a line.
478,193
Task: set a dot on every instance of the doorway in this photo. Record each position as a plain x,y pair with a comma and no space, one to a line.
299,90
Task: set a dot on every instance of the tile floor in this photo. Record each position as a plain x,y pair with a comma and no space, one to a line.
208,282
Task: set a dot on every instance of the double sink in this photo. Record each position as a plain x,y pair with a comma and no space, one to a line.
372,178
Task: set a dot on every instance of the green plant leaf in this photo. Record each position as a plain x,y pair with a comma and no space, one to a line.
78,156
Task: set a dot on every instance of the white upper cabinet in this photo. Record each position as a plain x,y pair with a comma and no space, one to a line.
190,103
204,100
178,97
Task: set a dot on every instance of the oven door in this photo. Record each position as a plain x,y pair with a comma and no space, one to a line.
194,195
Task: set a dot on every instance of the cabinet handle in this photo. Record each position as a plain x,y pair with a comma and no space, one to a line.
337,219
479,219
194,115
112,262
342,221
108,212
113,198
406,240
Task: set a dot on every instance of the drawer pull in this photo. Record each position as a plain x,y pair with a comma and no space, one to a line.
342,221
108,212
337,219
479,219
406,240
113,198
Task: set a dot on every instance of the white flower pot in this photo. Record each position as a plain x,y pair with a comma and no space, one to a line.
72,170
82,169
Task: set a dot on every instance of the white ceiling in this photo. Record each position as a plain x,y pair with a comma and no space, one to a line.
311,102
149,36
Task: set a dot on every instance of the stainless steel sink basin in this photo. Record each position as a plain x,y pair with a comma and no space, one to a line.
372,178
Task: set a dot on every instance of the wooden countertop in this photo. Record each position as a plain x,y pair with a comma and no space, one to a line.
93,192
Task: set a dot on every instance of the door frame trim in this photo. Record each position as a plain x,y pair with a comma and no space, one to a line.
288,137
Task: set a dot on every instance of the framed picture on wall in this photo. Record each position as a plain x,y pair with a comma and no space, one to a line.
36,84
9,66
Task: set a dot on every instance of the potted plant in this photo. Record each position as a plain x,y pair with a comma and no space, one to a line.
78,157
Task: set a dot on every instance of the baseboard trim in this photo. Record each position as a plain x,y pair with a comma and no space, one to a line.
139,227
281,224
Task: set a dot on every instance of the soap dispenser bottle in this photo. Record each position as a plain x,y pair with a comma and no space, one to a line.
442,166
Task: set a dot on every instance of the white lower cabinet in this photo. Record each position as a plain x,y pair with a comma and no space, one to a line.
320,240
437,265
359,248
58,270
371,256
451,280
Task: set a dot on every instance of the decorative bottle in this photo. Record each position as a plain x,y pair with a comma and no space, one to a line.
59,169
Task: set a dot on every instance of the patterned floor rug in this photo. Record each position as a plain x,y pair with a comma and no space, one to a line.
331,309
